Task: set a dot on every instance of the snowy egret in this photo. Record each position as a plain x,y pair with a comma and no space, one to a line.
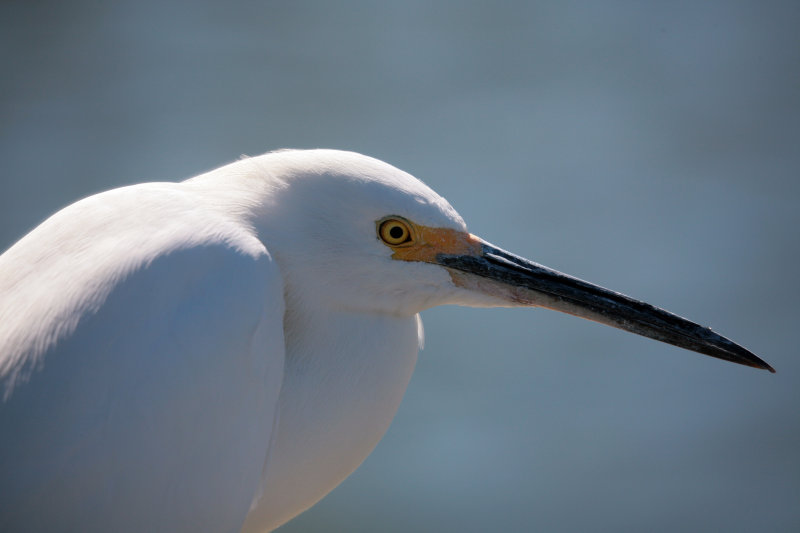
218,354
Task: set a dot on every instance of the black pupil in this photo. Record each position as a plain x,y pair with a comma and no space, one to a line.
396,232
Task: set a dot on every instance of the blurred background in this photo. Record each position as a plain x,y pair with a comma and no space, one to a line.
650,147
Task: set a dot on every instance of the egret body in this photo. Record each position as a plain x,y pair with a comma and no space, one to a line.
218,354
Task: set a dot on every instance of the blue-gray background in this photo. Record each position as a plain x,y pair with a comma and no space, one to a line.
653,148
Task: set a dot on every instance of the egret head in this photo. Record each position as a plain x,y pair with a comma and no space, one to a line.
333,219
358,234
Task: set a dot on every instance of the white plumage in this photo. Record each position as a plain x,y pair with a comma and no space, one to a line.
218,354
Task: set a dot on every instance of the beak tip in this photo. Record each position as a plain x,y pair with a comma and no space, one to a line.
756,362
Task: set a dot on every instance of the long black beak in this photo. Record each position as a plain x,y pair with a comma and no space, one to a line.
537,285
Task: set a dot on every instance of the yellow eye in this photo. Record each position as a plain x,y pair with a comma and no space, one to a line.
394,232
